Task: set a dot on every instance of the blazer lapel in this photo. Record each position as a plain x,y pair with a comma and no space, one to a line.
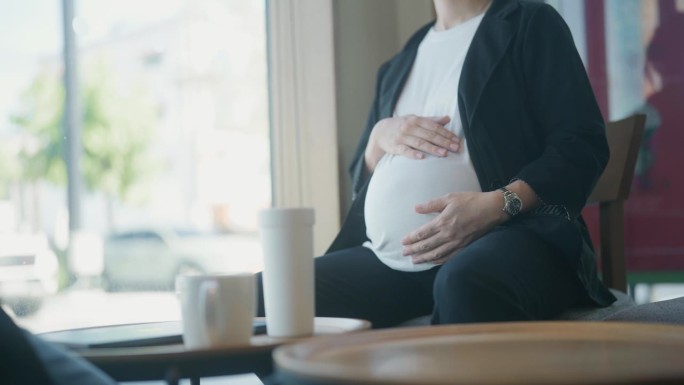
398,73
488,46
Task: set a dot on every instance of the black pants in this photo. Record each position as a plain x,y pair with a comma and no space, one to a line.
507,275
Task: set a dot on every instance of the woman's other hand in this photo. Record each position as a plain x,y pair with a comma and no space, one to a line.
410,136
463,218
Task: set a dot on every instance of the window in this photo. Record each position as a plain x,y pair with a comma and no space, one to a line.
175,155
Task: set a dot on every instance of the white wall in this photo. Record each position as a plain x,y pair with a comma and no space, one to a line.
411,15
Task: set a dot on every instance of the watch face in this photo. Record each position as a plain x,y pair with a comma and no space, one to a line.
514,206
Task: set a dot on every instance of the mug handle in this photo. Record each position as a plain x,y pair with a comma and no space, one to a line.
208,300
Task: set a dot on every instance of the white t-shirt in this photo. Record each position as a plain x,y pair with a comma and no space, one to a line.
399,183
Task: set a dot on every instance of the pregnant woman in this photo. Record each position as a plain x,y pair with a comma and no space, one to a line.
482,145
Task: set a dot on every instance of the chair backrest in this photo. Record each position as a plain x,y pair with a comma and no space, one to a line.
611,190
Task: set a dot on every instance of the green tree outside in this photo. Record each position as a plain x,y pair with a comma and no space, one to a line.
117,130
9,169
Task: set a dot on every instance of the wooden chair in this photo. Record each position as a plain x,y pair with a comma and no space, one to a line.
610,193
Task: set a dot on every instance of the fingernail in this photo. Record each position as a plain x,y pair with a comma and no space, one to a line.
443,152
454,147
404,252
419,155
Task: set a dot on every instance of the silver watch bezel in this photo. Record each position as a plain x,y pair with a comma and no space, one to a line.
512,203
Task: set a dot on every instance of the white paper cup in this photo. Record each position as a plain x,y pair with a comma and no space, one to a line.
217,310
288,277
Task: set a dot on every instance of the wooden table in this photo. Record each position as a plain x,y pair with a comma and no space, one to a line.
550,353
172,362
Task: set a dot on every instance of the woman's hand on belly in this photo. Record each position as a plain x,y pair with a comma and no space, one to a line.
410,136
463,218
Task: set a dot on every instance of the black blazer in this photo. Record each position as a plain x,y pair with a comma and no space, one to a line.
529,113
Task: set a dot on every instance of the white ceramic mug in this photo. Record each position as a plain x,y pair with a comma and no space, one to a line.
288,277
217,310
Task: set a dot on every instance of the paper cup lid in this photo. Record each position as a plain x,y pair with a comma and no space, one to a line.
285,216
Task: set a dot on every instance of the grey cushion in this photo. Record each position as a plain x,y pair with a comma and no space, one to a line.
623,302
670,311
420,321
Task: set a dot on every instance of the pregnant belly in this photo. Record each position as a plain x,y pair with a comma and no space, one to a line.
397,186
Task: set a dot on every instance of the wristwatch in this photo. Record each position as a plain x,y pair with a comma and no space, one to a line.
512,202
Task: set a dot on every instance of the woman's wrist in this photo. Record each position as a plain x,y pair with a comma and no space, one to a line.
529,198
495,202
371,158
373,152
